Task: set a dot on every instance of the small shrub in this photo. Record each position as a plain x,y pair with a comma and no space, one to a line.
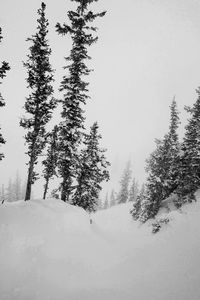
156,226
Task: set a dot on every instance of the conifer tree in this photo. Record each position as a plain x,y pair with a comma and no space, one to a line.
17,188
124,184
189,163
162,168
92,172
133,192
75,90
112,198
10,191
3,69
106,203
137,204
51,159
40,103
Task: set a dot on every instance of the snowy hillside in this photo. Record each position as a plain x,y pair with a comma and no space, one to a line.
49,250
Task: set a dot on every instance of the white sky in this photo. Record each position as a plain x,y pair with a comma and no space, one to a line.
148,51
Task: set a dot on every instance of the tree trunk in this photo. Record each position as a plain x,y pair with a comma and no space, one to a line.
46,188
29,180
65,192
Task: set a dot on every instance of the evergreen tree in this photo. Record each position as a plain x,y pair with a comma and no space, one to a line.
17,188
162,168
40,103
51,159
106,203
112,198
100,204
10,192
189,163
133,192
75,91
3,69
124,184
92,172
137,208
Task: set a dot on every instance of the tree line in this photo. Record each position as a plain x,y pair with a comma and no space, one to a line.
173,167
71,153
128,190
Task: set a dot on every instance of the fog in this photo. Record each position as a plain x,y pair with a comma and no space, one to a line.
147,52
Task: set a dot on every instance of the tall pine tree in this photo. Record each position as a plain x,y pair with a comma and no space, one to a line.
162,168
3,69
75,90
51,159
92,172
189,163
40,103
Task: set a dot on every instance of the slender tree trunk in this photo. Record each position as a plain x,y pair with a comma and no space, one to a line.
63,191
29,180
46,188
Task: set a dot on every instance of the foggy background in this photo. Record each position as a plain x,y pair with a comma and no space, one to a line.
147,52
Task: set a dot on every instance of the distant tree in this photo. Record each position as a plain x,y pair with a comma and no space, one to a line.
50,162
137,209
40,103
23,189
92,172
3,69
113,199
124,184
100,204
9,196
17,188
106,203
75,91
133,192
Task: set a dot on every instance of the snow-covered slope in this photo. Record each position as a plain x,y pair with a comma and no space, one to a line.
49,250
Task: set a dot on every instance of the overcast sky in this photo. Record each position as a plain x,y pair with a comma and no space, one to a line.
147,52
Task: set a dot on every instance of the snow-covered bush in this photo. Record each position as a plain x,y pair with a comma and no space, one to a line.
156,226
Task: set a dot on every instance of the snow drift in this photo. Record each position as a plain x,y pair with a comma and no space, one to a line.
49,250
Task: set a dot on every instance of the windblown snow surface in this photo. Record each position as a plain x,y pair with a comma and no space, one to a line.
50,251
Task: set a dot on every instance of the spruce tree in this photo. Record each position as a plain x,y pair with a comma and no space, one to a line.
112,198
106,203
92,172
189,162
3,69
133,192
137,204
10,191
17,187
51,159
162,168
124,184
75,90
40,103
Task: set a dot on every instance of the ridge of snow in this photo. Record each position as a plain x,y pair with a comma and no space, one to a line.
49,250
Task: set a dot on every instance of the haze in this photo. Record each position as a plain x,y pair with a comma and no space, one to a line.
147,52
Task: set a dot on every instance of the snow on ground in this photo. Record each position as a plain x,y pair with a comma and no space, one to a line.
50,251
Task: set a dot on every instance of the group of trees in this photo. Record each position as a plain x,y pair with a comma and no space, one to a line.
128,190
72,154
173,167
14,190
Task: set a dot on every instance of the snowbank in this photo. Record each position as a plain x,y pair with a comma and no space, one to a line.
49,250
